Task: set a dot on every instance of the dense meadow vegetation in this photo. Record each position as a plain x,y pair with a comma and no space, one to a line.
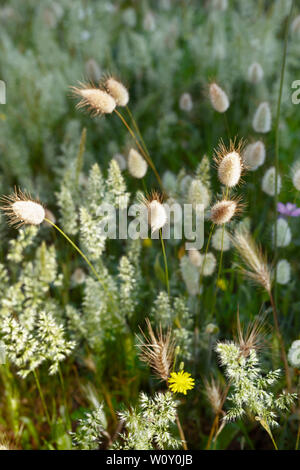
141,343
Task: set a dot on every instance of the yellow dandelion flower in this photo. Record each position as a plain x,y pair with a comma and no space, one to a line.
180,382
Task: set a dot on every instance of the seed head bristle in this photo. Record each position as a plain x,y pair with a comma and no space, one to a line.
229,162
218,98
214,394
95,100
158,351
117,90
157,215
252,337
137,165
21,209
258,269
224,210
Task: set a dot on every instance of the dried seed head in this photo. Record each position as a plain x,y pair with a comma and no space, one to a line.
252,338
208,264
262,118
283,272
221,240
214,394
284,234
195,257
218,98
229,163
294,354
158,351
268,182
296,174
96,101
137,165
223,211
255,73
254,155
22,209
258,269
157,215
118,91
186,102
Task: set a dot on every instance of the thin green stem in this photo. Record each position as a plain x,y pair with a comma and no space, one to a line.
281,342
42,396
147,158
62,382
81,254
277,135
165,261
267,428
205,254
135,125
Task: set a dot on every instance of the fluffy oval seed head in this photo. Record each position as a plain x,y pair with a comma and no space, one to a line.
157,215
95,100
295,172
268,182
255,73
296,180
230,169
262,118
283,272
22,209
223,211
294,354
29,212
118,91
218,98
186,102
209,264
283,232
137,165
195,257
221,240
254,155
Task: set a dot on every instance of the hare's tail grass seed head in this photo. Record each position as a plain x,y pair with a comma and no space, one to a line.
229,162
22,209
255,73
218,98
117,90
95,100
157,214
254,155
223,211
136,164
262,119
295,173
158,351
